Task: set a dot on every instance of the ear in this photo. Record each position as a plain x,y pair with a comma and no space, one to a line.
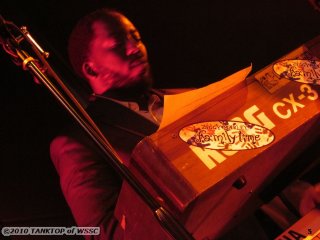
88,70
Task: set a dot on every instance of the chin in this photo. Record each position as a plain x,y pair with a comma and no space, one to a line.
143,78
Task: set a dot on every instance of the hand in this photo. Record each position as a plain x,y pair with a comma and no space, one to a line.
303,196
310,199
315,4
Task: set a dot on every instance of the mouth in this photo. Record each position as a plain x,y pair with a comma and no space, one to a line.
137,63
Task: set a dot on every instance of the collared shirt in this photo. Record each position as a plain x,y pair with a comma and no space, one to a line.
153,112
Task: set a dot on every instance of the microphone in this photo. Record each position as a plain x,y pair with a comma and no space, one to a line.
8,31
17,42
8,41
4,33
6,36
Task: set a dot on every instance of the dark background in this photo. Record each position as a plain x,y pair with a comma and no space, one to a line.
190,43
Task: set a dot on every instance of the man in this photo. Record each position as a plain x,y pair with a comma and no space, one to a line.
106,49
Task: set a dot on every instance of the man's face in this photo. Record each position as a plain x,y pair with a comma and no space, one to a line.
117,56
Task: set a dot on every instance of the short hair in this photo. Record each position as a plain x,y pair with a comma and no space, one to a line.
81,35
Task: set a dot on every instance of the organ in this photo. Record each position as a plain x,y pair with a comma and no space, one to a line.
210,190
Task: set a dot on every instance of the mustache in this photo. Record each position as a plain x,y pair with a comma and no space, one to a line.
137,57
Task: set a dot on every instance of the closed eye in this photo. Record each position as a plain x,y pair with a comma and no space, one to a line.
135,35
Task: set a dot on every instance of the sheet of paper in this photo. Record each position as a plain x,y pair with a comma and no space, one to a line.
178,105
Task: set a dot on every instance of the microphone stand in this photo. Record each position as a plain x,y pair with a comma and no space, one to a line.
12,45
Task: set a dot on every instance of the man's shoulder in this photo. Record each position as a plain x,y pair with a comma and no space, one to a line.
110,114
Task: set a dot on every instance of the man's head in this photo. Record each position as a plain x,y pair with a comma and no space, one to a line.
106,49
